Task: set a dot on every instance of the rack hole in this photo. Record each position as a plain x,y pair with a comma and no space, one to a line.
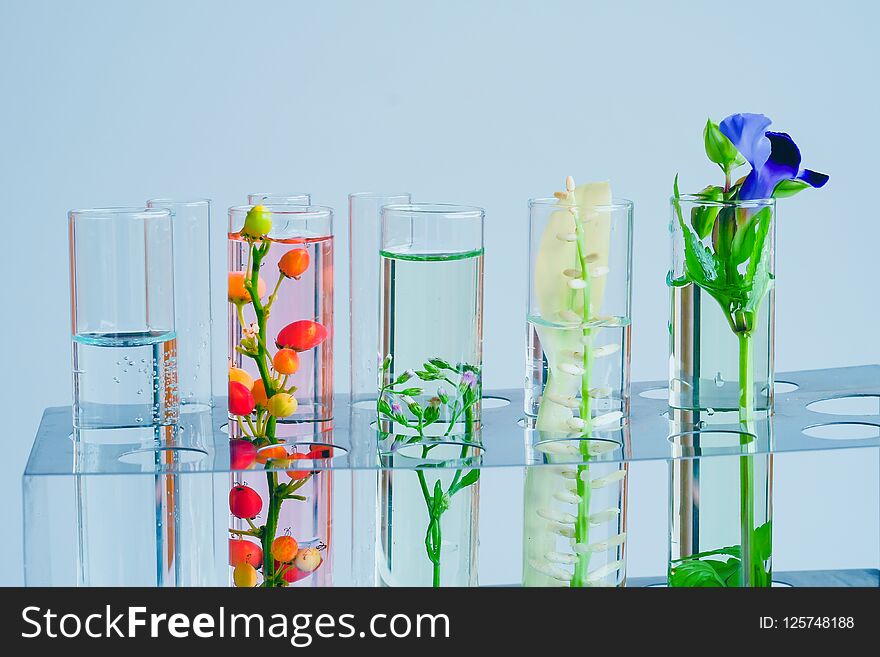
850,405
655,393
843,431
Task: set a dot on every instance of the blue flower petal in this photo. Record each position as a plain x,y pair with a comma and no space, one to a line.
783,164
813,178
747,133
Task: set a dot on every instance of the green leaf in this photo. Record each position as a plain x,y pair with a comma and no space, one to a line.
758,276
763,541
441,502
719,148
411,392
703,216
384,407
441,364
728,570
470,478
746,233
711,193
722,235
701,265
788,188
695,574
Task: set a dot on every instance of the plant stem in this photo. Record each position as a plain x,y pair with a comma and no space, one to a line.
276,493
746,463
582,522
270,528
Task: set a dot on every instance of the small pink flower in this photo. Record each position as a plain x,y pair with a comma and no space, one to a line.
469,379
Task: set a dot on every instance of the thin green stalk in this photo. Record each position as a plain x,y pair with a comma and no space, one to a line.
746,463
582,522
270,528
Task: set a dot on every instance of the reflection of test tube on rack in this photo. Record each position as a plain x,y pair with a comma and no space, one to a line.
574,528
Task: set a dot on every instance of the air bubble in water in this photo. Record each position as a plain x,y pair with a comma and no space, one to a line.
719,380
116,379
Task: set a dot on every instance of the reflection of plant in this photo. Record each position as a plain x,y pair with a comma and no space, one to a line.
728,254
258,404
394,398
699,570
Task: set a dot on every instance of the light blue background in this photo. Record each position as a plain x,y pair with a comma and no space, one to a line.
109,103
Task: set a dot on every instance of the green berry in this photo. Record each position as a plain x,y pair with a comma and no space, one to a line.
257,223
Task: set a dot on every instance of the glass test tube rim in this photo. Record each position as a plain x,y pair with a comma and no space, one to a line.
451,210
696,199
615,205
280,198
291,212
115,212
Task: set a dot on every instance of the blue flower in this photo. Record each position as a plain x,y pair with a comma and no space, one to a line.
773,156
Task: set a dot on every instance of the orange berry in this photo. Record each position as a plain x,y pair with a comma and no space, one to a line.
273,452
296,475
259,393
237,291
284,549
241,376
286,361
294,263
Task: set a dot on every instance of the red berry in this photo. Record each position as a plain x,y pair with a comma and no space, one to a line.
242,454
245,502
241,401
292,574
243,551
323,452
301,335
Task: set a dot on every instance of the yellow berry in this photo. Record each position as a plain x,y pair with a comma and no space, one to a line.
245,576
308,559
282,404
238,374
